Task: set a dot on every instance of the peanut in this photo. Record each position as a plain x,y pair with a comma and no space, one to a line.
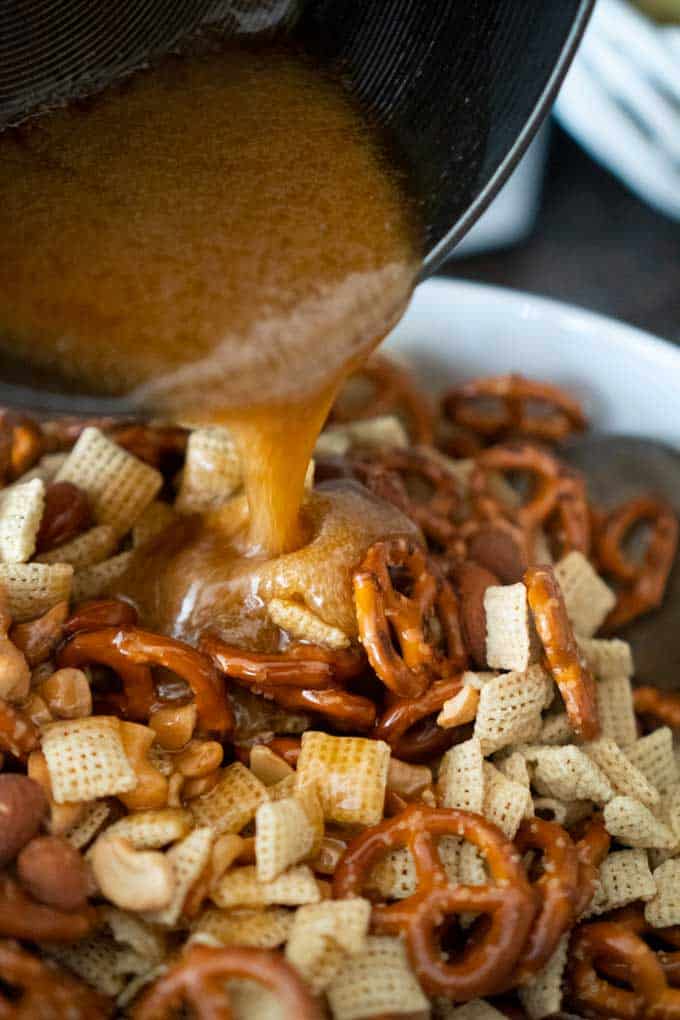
38,638
23,806
53,872
151,790
199,758
15,675
67,693
173,725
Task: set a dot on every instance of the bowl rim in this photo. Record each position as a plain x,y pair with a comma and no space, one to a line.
638,342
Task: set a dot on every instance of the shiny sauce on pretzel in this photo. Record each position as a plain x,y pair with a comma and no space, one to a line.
221,239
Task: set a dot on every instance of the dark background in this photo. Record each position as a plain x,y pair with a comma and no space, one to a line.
594,244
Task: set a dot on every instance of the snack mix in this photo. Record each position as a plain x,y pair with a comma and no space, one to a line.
468,813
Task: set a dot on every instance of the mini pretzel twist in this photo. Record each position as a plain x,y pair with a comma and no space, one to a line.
198,982
488,961
591,848
434,507
304,678
101,613
557,500
574,680
616,949
555,890
131,652
633,918
562,416
22,917
409,725
41,991
642,584
397,630
661,706
392,391
300,665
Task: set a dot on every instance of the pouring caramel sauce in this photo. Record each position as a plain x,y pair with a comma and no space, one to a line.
221,239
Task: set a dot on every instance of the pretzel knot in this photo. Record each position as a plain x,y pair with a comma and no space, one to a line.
22,917
33,989
642,583
402,631
131,652
199,979
591,849
662,706
487,962
559,415
408,726
388,389
555,890
557,499
574,680
304,678
433,496
615,949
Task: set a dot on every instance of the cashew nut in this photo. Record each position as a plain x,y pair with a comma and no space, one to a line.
131,879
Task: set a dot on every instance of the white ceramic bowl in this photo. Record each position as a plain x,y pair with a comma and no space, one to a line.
628,379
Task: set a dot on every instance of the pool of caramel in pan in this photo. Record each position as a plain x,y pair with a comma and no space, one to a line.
224,238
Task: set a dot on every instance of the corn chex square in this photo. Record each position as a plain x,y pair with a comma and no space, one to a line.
653,755
624,878
663,909
461,777
284,835
240,887
302,623
86,549
33,588
212,471
119,486
624,777
153,829
264,928
232,803
323,935
557,729
476,1009
615,710
569,774
587,598
375,982
350,774
21,510
510,707
188,859
606,658
86,759
542,995
511,642
93,581
506,803
634,825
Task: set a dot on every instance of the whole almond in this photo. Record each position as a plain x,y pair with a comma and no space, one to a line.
53,872
67,513
23,806
471,581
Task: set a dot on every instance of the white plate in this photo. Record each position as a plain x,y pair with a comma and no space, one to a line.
628,379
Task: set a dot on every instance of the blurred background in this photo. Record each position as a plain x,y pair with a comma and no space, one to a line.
592,214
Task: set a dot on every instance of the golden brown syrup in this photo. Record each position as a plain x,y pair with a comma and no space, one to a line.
222,238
